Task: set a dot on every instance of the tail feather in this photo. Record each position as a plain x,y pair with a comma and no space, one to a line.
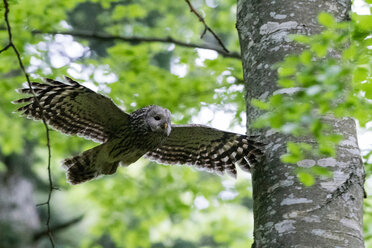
87,166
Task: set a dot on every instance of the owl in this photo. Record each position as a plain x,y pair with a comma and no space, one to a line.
74,109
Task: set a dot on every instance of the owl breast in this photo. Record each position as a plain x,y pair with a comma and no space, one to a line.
129,146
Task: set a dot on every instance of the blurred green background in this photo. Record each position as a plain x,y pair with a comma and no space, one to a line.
146,204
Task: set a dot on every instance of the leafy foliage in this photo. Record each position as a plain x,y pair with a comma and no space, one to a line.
141,206
332,76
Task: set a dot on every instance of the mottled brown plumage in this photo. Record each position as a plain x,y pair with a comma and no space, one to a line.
76,110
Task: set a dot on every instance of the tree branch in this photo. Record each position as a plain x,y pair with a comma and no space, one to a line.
11,44
206,27
138,40
5,48
56,228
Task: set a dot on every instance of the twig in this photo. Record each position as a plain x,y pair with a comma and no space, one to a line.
136,39
41,204
206,27
57,228
11,44
5,48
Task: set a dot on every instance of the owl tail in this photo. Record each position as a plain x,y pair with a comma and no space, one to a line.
87,166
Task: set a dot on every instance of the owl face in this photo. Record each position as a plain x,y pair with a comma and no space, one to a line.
158,119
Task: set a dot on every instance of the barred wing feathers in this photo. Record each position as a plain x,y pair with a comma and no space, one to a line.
208,148
73,109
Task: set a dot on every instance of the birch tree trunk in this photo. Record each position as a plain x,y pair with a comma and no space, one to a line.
287,213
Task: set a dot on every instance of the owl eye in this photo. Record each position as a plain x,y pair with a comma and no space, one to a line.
157,118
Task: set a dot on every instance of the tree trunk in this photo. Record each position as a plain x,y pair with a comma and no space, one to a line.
287,213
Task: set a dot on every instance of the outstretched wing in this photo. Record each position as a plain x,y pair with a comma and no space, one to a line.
208,148
73,109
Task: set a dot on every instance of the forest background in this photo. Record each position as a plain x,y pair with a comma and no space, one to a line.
138,53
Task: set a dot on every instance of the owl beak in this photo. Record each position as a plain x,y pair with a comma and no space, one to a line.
167,128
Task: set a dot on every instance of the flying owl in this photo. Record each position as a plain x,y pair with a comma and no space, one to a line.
76,110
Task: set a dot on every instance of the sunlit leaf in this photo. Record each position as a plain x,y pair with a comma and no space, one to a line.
326,19
306,178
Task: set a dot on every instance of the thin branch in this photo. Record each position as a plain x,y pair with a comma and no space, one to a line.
41,204
138,40
5,48
206,27
57,228
11,44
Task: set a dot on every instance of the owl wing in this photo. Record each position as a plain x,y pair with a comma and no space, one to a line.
208,148
73,109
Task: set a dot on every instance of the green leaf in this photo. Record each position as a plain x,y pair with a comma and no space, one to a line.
290,158
286,69
306,57
320,49
119,12
276,120
321,171
360,74
364,22
350,52
335,138
293,148
316,127
326,19
276,100
260,104
294,153
301,39
136,11
368,90
129,11
326,147
306,178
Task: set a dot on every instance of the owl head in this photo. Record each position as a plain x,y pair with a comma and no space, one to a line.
159,119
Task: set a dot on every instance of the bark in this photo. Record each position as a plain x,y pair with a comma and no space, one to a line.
287,213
